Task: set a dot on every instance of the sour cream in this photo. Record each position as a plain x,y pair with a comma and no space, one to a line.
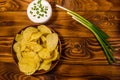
39,11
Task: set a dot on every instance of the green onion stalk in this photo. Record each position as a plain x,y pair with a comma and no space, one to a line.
99,34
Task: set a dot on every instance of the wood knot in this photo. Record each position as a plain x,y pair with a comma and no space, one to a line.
8,5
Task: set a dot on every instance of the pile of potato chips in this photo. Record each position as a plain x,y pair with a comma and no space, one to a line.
36,48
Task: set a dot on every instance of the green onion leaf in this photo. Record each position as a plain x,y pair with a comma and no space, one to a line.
99,34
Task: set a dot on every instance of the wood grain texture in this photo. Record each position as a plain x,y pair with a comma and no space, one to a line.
82,56
91,5
77,5
107,21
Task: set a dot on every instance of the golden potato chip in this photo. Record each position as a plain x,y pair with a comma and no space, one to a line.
44,29
27,50
27,66
51,41
45,65
43,41
55,55
44,54
28,32
37,60
18,37
23,44
34,46
29,54
16,47
19,56
35,36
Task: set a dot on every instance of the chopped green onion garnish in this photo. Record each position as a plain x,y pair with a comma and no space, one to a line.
34,15
37,12
37,8
39,1
31,12
34,3
38,16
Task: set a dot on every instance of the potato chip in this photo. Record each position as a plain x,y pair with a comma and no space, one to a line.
34,46
23,45
29,54
44,29
28,32
35,36
37,60
19,56
45,65
51,41
27,66
44,54
43,41
27,50
16,47
55,55
18,37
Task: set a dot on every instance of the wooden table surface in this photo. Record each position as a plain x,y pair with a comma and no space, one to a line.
82,56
